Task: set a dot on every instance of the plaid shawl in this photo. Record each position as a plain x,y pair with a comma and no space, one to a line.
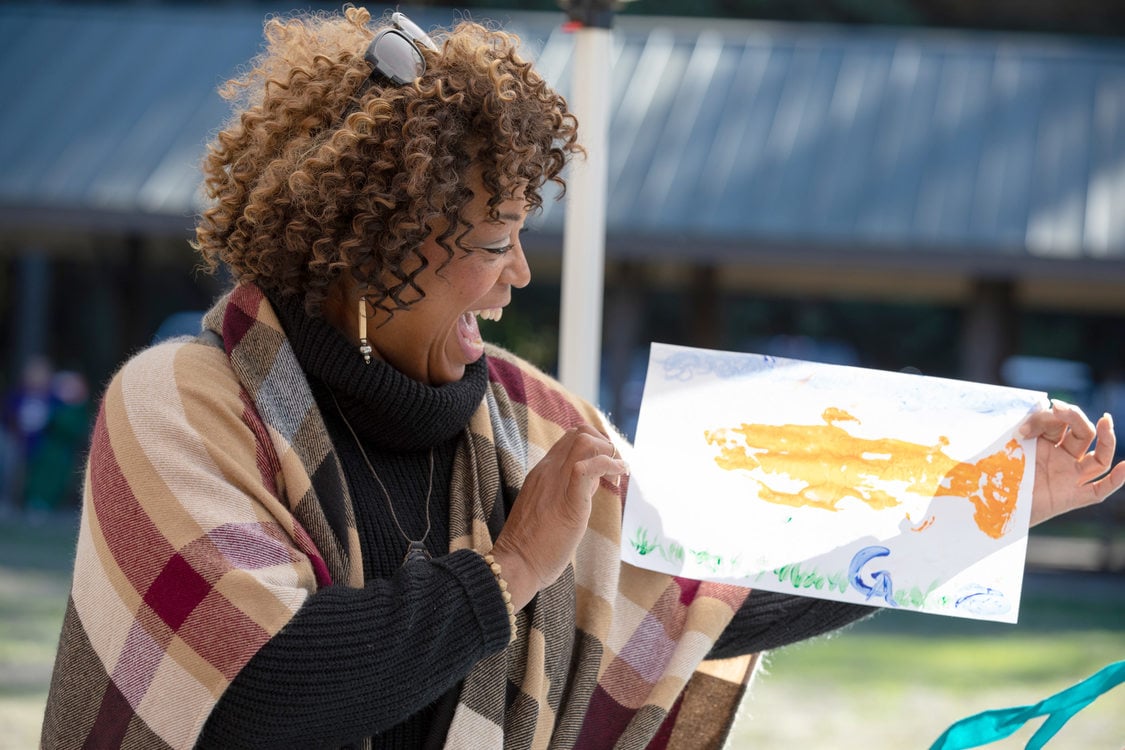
214,505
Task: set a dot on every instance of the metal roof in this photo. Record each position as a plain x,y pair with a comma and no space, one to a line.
862,138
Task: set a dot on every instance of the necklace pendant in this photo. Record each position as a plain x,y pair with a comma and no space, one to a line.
416,551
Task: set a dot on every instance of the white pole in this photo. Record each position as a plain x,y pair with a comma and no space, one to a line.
583,271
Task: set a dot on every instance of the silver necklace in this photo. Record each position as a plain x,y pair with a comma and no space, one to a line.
415,548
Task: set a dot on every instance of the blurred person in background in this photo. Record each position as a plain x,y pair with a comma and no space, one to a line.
53,468
25,414
338,518
9,458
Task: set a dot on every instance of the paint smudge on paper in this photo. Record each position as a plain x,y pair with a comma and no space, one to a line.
983,601
832,464
924,525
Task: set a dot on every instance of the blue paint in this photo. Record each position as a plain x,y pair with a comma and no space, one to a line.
982,600
880,585
684,364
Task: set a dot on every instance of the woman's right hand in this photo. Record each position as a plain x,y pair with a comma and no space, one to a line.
550,514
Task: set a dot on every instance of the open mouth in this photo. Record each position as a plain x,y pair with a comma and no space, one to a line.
472,345
491,313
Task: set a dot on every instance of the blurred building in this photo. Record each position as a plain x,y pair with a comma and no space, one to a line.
892,196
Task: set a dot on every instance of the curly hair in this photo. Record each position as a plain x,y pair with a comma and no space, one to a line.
324,168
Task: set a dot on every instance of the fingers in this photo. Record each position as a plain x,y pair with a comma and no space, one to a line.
1110,483
1098,490
1078,431
592,452
1103,488
571,471
1064,425
550,515
1045,424
1069,429
1097,462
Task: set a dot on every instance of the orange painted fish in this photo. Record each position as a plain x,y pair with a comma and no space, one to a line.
834,464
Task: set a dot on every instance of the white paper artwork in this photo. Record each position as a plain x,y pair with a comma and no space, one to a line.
843,483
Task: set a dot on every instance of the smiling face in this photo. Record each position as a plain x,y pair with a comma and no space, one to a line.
438,336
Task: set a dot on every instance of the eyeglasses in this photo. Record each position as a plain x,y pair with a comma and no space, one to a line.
393,53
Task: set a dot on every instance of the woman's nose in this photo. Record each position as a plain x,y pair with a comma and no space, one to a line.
518,273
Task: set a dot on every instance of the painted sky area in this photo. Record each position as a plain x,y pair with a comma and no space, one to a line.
838,482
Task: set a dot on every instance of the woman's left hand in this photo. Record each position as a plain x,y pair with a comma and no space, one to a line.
1068,475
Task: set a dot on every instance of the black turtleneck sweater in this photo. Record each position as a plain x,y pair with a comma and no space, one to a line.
385,661
354,663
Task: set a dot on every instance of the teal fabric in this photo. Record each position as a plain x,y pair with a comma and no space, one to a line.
990,726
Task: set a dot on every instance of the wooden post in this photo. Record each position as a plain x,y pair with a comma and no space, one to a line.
989,331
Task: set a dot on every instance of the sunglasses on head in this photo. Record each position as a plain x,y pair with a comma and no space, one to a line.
393,53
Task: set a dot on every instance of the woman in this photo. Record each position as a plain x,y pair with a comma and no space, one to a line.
337,518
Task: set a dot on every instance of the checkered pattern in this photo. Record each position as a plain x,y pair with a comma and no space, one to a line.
215,505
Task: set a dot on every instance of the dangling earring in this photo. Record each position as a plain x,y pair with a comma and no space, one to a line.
364,344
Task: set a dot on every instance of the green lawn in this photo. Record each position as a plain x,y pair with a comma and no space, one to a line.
900,679
34,578
894,681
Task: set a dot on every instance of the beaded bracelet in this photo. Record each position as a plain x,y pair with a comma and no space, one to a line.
507,597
